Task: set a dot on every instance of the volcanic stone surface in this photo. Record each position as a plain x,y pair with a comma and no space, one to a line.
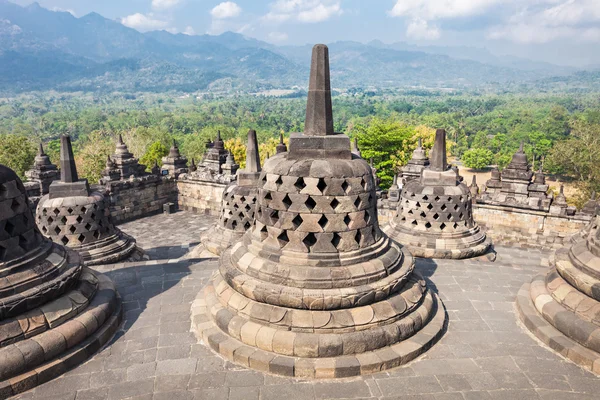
238,203
54,313
562,307
80,219
315,289
434,218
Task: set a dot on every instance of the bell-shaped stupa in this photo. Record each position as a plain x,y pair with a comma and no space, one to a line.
54,313
74,216
434,218
237,204
315,289
562,307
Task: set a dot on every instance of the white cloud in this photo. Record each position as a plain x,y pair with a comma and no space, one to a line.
164,4
227,9
189,31
64,10
420,29
278,36
528,21
306,11
143,22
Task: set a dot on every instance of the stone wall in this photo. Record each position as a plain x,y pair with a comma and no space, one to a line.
518,227
140,197
200,197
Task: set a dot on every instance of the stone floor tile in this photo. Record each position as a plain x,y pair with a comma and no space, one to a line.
453,383
298,391
409,385
342,390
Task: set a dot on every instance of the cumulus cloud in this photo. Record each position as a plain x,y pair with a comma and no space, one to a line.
189,31
143,22
420,29
278,36
524,21
164,4
227,9
306,11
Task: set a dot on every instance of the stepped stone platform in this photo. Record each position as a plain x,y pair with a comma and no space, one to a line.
485,353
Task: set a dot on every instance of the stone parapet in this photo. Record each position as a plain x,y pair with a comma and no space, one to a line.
197,196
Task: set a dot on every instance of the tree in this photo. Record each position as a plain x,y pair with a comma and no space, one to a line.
578,156
91,155
384,141
17,152
477,158
155,152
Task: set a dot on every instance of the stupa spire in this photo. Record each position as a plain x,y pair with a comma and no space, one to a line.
252,155
319,114
68,170
438,154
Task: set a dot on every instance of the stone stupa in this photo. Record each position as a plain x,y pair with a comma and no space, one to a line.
315,289
43,171
238,203
416,164
54,312
174,164
562,307
74,216
434,218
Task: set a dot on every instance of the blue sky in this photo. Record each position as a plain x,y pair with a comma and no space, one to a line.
560,31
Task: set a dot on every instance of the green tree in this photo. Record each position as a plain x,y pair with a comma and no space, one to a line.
91,155
155,152
384,141
477,158
17,152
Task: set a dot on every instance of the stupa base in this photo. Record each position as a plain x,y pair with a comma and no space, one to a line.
217,240
538,324
442,248
80,323
205,309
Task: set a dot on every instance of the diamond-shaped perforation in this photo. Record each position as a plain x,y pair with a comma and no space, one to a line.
323,222
297,221
300,184
429,206
334,203
247,207
234,224
79,219
64,240
309,240
437,198
335,240
63,220
88,227
442,226
247,225
358,202
9,227
70,210
443,207
427,225
358,237
97,234
321,185
436,216
283,239
345,187
279,182
83,210
423,215
56,211
368,217
425,198
363,183
268,196
310,203
72,229
274,216
44,229
81,238
414,222
287,202
347,220
456,207
15,205
57,230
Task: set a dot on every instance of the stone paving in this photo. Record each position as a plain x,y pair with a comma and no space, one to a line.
485,354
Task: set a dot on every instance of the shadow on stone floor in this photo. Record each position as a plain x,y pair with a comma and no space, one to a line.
169,252
140,286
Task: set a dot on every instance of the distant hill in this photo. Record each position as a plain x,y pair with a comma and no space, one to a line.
42,49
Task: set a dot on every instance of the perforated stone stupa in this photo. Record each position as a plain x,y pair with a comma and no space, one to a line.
417,163
562,307
43,171
74,216
217,166
54,313
122,165
434,218
315,289
174,164
238,203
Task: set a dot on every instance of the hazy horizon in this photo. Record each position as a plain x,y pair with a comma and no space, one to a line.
562,32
